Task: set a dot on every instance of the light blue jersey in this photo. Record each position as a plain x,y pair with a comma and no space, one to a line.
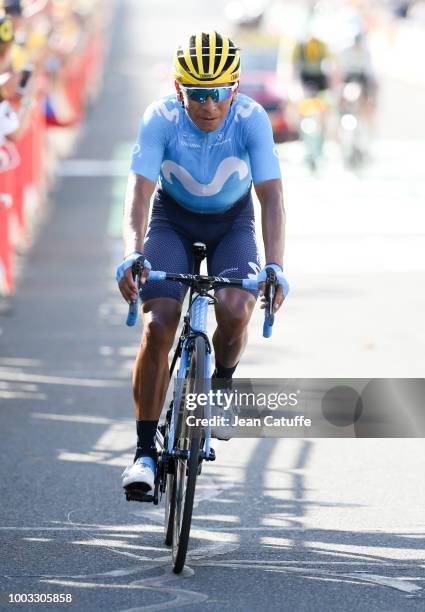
205,172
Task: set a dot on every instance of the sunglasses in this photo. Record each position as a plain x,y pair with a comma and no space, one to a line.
217,94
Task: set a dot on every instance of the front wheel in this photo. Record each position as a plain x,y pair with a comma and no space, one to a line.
189,440
170,503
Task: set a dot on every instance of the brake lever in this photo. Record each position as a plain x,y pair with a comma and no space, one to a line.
133,309
269,294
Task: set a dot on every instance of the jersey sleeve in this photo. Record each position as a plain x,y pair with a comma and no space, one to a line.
148,152
261,148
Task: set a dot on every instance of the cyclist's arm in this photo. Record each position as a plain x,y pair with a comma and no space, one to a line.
148,154
136,212
273,225
272,219
266,176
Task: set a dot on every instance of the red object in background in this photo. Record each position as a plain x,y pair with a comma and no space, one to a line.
38,143
263,87
6,249
261,80
23,166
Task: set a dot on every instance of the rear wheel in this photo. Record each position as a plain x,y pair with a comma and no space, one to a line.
188,439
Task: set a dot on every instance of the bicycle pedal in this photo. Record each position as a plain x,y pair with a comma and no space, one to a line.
133,493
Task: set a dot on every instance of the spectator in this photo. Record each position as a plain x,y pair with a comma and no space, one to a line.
9,88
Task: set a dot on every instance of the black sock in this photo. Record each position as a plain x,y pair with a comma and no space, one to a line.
146,439
222,372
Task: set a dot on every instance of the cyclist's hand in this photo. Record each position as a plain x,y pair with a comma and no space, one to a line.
124,276
278,297
281,290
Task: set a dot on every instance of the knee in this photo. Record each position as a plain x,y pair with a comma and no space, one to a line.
158,335
159,329
234,315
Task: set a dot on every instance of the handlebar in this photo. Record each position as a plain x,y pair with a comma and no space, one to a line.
207,283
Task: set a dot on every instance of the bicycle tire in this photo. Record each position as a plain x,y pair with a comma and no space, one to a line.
170,504
170,491
186,472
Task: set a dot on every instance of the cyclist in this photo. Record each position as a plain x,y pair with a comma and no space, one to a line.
312,61
204,145
356,66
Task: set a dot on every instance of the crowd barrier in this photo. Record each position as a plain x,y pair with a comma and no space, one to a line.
24,171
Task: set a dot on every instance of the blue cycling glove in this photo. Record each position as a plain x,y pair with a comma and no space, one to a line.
128,262
281,280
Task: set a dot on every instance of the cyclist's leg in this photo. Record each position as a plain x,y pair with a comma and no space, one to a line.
233,312
161,311
235,255
150,380
150,375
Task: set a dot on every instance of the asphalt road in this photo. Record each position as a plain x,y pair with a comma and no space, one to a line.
279,524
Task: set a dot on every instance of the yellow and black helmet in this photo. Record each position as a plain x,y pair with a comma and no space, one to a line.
207,58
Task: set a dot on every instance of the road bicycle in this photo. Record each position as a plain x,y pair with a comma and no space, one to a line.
182,448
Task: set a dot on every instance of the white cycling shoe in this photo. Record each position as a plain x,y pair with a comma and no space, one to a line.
224,428
140,475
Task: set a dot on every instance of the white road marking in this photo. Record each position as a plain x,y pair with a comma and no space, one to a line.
118,437
60,380
74,418
77,527
92,168
22,395
44,528
20,362
212,550
219,518
38,539
399,584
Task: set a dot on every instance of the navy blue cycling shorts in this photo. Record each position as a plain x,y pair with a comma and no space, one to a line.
229,236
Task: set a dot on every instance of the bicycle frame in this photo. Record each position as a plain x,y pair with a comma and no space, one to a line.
196,322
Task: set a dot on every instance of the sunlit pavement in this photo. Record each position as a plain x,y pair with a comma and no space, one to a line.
283,524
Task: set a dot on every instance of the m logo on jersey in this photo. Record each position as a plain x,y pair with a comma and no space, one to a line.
226,168
169,115
243,112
